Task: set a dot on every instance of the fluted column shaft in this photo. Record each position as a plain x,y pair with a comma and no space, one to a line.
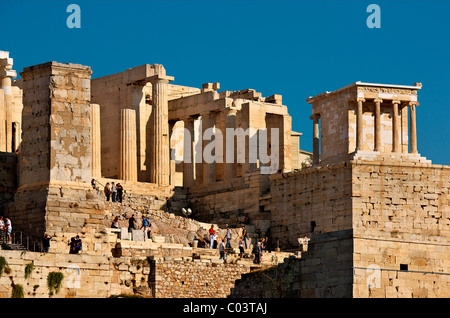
412,127
377,146
359,124
395,127
160,158
188,153
96,141
230,167
128,153
209,169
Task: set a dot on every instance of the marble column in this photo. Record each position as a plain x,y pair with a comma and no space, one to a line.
359,124
96,141
231,163
377,119
188,153
160,154
316,136
412,127
209,169
395,127
128,148
2,122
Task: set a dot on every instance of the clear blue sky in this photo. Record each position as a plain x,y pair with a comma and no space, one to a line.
294,48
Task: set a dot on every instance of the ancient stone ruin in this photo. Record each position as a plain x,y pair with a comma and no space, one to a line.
364,215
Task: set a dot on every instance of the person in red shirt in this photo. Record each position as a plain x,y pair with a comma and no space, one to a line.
211,236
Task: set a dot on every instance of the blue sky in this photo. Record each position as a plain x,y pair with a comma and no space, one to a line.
296,48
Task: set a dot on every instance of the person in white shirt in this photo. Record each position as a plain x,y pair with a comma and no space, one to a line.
241,248
228,237
222,250
113,192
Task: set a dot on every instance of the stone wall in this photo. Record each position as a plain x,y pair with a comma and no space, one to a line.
326,268
279,281
56,134
194,278
97,276
27,210
8,176
401,218
313,200
83,274
56,207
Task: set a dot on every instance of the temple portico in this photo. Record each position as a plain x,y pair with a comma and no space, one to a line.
364,121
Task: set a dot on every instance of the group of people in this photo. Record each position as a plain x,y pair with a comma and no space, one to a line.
146,226
258,249
75,245
6,228
114,192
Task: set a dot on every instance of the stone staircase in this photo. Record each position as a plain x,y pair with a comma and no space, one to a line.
175,228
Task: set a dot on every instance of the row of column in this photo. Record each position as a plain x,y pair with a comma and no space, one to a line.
396,125
197,171
160,151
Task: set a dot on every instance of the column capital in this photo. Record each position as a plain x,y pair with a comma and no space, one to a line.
415,103
378,100
159,79
231,110
188,119
314,116
8,73
360,99
396,102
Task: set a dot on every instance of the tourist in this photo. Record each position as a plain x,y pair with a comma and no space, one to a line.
222,250
257,253
2,227
46,242
241,248
215,236
93,183
263,245
168,205
145,224
119,192
211,236
107,191
131,224
72,245
78,244
228,236
115,223
244,235
149,230
113,192
8,227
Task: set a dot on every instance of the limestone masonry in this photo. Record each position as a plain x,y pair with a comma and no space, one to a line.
363,215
